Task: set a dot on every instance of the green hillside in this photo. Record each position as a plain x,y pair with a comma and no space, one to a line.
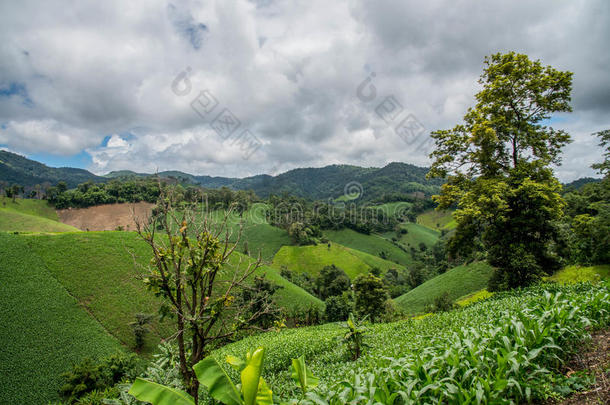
577,274
30,215
257,233
312,259
458,282
14,221
98,269
415,234
437,219
372,244
44,329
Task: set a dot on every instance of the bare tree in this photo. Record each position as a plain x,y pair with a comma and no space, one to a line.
190,269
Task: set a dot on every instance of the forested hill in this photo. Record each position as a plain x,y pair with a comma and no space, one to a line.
319,183
17,169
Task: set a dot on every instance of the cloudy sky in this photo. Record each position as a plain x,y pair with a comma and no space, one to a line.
237,88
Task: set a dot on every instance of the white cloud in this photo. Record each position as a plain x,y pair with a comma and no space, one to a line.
287,70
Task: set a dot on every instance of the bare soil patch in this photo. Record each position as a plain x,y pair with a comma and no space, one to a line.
106,217
595,359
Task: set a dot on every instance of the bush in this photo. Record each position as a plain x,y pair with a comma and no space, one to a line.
338,308
90,375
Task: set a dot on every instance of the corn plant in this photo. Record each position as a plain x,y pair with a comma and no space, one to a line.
252,389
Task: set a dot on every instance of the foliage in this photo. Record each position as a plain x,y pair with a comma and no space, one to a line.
370,296
89,375
140,329
252,390
353,339
89,193
302,375
332,281
442,303
186,270
338,307
459,281
44,329
498,172
604,142
371,244
258,298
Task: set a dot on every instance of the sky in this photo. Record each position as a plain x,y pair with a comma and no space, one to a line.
238,88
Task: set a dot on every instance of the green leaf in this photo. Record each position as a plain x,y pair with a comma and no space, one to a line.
219,385
264,395
158,394
235,362
251,375
302,375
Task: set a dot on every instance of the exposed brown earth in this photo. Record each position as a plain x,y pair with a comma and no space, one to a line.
596,360
106,217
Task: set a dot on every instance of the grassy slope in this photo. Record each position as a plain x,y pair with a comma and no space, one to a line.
38,208
415,235
257,232
372,244
312,259
437,219
30,216
459,281
44,330
98,269
576,274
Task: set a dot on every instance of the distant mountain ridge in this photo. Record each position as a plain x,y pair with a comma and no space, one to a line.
314,183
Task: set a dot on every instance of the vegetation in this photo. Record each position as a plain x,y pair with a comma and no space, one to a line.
372,244
44,329
457,282
437,219
312,259
498,171
185,272
414,358
370,297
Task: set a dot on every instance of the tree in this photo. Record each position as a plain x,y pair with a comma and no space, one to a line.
338,307
185,270
497,166
332,281
604,167
370,296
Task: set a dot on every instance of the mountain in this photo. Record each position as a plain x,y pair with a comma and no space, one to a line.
18,169
314,183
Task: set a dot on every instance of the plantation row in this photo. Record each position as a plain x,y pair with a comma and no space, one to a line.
507,349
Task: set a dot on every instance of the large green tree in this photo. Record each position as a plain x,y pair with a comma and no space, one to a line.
497,166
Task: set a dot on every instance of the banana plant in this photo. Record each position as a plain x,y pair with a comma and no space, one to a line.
303,375
252,389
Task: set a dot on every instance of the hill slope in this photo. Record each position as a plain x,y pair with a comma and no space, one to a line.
18,169
372,244
98,269
312,259
26,215
458,282
44,329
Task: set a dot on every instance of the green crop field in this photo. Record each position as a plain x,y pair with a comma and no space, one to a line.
98,269
458,282
40,208
415,235
259,235
312,259
44,329
418,358
437,219
394,209
27,215
372,244
12,221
